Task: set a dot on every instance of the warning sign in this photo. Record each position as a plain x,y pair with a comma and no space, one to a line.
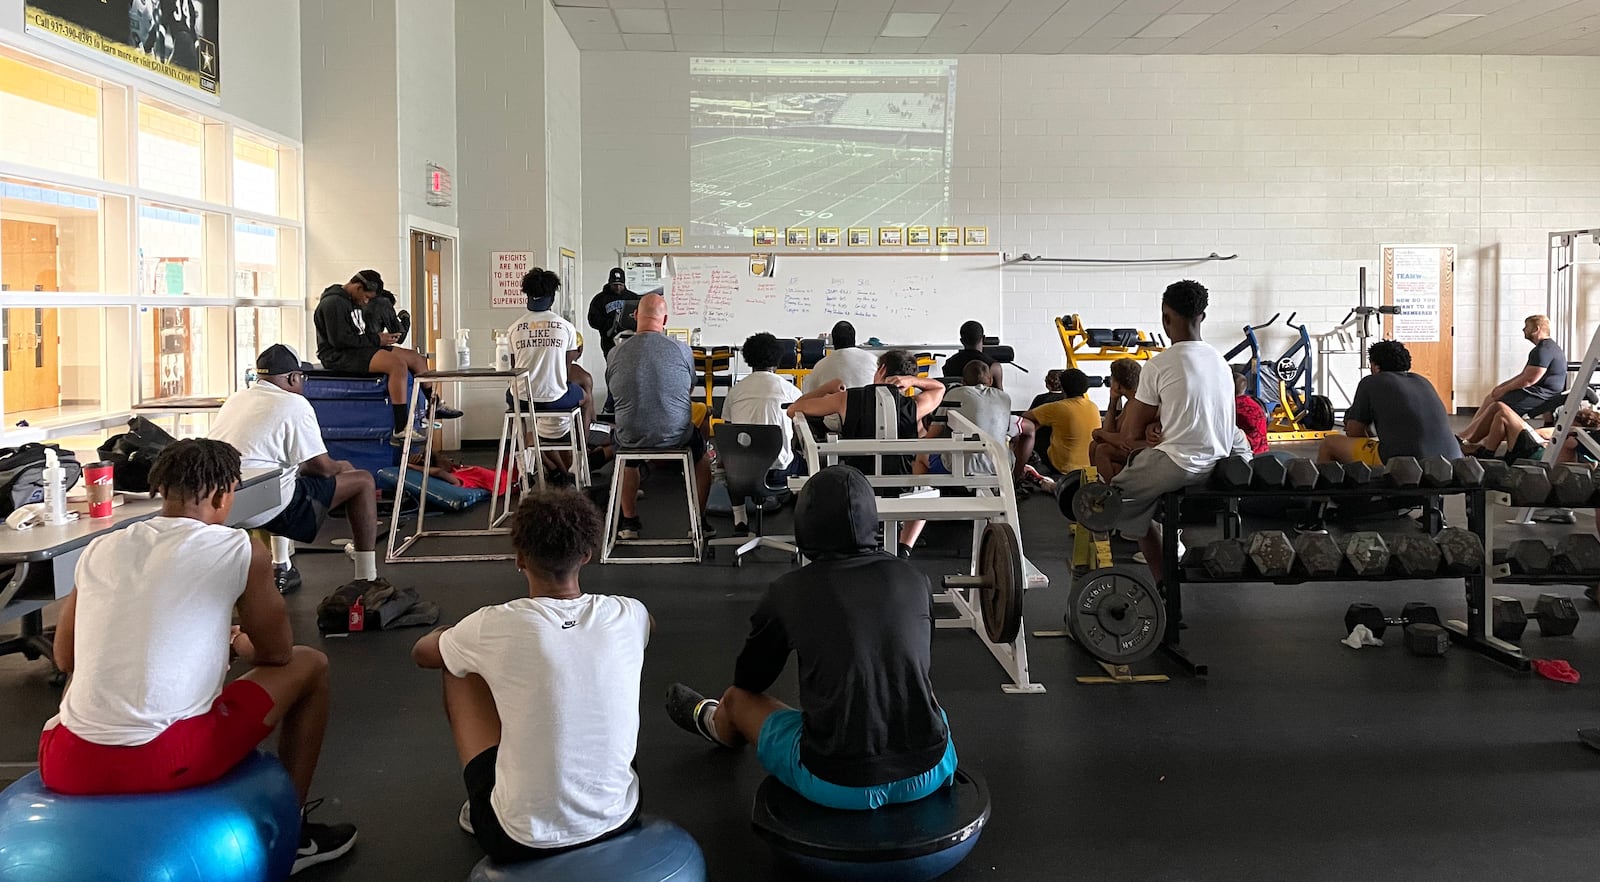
506,269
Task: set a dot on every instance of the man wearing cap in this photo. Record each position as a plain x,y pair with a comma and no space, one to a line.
611,312
273,427
346,341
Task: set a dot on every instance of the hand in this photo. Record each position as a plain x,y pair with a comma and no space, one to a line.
389,339
903,383
1152,434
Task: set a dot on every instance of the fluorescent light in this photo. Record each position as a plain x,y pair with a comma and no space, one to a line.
910,24
1434,24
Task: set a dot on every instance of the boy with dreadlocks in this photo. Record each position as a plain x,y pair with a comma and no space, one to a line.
146,636
553,679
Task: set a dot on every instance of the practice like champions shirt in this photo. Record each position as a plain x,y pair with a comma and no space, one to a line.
540,342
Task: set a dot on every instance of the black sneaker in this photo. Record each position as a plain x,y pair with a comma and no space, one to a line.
685,707
1311,525
905,551
628,528
740,531
1527,446
442,411
707,532
320,843
287,578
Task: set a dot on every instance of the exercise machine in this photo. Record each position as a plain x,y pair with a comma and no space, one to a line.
1258,390
1083,345
1351,336
1299,414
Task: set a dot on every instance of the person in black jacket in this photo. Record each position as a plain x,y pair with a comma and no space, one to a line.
348,341
860,621
611,311
382,317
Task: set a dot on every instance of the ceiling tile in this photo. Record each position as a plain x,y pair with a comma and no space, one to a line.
648,42
1141,46
692,22
1119,24
923,5
897,45
599,42
642,21
749,22
600,3
747,43
637,4
797,22
694,4
587,21
750,4
1203,7
809,5
1143,7
910,24
857,24
697,42
786,42
1066,25
1013,25
1168,26
850,44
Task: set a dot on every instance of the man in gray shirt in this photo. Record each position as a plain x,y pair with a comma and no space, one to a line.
649,377
982,405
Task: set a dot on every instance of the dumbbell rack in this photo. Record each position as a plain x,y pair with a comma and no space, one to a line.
1475,633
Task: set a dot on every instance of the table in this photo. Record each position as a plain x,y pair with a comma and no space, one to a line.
523,424
43,559
177,408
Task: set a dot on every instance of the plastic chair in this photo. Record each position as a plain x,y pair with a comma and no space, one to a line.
748,452
710,361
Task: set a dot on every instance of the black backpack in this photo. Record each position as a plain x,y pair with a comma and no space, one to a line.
22,474
131,454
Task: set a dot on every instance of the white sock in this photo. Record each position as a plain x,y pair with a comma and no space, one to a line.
282,551
366,564
706,716
740,516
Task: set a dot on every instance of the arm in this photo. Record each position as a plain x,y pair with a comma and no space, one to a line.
1530,375
930,393
997,374
323,465
263,617
1357,429
65,630
426,651
821,401
341,329
597,313
1359,417
765,651
1136,417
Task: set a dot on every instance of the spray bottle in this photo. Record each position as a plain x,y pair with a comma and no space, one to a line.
55,489
502,351
463,349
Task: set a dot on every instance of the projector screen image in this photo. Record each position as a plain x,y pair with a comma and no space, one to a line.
818,143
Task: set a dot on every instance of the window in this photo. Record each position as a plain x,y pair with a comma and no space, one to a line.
186,352
54,362
255,175
256,329
181,253
51,121
172,152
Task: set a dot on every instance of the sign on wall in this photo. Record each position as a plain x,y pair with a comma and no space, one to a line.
175,39
506,269
1416,285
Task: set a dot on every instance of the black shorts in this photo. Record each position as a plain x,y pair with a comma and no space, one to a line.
1533,401
302,518
350,361
492,838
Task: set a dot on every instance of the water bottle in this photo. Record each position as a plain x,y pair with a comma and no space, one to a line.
502,351
694,337
463,350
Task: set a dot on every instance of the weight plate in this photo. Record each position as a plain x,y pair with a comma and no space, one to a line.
1000,566
1097,506
1116,614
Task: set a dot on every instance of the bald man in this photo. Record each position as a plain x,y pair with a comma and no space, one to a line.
651,377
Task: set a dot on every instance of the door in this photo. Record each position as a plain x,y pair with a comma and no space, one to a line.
1420,279
426,297
31,360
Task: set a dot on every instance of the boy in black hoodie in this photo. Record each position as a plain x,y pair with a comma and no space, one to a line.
861,623
347,342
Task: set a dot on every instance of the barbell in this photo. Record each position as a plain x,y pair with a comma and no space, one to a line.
999,582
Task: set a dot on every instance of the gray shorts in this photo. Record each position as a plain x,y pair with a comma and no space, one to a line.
1150,476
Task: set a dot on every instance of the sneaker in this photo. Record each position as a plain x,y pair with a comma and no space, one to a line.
689,710
740,531
444,411
1311,525
287,578
398,439
1527,446
1554,516
320,843
905,551
464,820
628,528
707,532
1139,558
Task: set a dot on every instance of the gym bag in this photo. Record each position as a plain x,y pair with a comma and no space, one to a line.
131,454
22,474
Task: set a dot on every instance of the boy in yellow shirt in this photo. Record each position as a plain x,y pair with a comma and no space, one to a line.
1071,422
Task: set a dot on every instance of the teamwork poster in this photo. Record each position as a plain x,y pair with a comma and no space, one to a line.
176,39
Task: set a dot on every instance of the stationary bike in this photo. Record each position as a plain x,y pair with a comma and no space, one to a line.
1298,410
1262,389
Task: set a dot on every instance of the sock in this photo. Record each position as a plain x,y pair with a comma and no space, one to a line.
366,564
740,516
402,416
705,717
282,551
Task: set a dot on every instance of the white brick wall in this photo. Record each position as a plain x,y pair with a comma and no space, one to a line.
1303,166
563,114
426,95
48,137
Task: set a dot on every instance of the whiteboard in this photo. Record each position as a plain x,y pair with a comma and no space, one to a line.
903,299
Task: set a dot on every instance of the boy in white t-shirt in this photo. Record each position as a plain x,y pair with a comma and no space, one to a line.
146,636
547,345
763,399
553,678
1189,387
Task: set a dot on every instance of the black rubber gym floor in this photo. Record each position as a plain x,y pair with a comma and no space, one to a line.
1298,758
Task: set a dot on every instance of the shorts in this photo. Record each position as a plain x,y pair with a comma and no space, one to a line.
1148,477
779,752
938,466
1366,451
694,442
568,401
493,838
1533,401
350,361
190,753
301,520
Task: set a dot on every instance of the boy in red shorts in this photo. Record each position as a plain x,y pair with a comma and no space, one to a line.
147,636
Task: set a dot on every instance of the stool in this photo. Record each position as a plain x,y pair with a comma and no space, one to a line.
657,851
526,459
244,827
907,842
625,455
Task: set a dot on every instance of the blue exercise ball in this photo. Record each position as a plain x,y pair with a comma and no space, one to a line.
242,828
655,851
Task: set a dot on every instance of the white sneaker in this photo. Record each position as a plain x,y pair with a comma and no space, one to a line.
465,818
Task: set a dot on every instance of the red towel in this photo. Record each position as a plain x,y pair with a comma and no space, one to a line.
483,479
1555,669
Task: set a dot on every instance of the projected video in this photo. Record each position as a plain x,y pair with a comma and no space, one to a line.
818,143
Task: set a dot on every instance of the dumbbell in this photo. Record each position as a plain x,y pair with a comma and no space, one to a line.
1460,551
1526,557
1316,555
1271,552
1270,472
1233,473
1556,615
1225,559
1330,474
1467,471
1370,615
1414,556
1429,471
1578,553
1359,474
1529,484
1302,474
1572,484
1367,553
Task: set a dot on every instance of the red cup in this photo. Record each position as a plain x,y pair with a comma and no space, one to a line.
97,479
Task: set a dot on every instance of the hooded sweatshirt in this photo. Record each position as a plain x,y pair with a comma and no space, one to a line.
861,623
342,327
382,317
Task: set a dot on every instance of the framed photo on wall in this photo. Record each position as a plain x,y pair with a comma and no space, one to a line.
949,235
670,237
766,237
891,236
978,236
827,237
797,237
859,237
919,236
638,237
